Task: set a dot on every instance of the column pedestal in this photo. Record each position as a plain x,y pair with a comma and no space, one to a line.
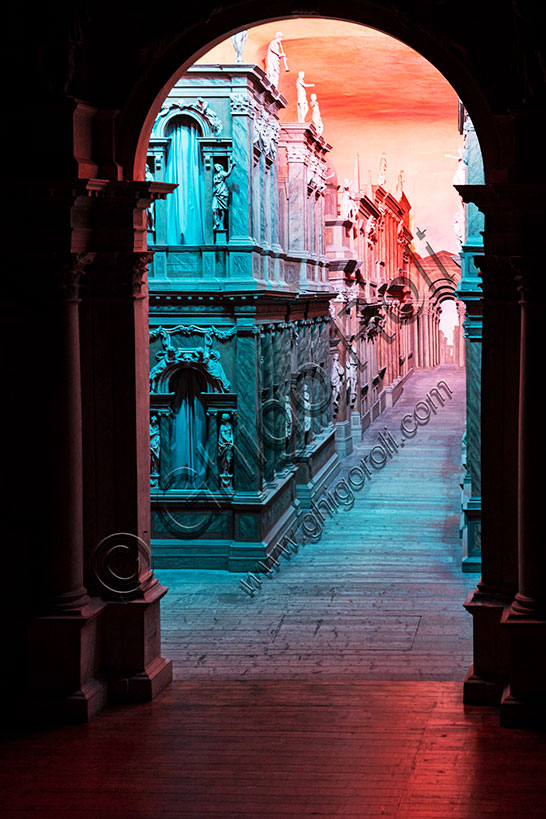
63,667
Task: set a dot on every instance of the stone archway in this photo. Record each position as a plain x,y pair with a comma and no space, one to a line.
86,236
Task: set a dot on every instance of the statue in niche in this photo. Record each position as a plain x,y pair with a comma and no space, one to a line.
216,370
346,205
155,449
275,52
315,115
220,195
238,41
382,176
301,85
287,416
225,451
150,212
337,375
306,411
351,369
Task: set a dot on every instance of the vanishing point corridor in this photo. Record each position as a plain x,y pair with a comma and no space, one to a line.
379,597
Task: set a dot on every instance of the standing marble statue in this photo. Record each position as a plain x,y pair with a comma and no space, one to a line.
351,368
301,85
382,176
155,449
275,52
225,451
238,41
336,380
220,195
315,115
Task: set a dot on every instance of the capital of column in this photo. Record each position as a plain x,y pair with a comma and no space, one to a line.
118,275
498,277
68,269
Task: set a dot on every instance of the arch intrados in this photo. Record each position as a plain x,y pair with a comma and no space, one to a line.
137,119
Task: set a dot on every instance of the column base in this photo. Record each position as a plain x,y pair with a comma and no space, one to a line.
478,691
524,701
489,674
63,683
131,644
144,686
516,713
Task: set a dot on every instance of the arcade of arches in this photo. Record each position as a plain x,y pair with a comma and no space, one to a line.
80,244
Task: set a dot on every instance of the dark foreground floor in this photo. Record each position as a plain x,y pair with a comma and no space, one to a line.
379,597
291,749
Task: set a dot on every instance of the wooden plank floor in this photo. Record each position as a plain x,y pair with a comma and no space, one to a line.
334,692
406,750
379,597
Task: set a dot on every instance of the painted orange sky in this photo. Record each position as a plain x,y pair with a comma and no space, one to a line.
375,95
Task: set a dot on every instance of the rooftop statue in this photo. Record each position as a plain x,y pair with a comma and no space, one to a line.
382,177
315,115
238,41
275,52
301,85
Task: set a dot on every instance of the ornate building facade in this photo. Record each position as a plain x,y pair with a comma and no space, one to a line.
241,432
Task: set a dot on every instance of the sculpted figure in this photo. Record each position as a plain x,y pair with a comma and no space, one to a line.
287,416
220,195
351,368
382,177
225,451
275,52
306,409
238,41
336,381
315,115
155,448
346,205
301,85
216,370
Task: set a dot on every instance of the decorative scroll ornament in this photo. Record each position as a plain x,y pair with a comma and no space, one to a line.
193,329
140,268
266,132
200,106
241,104
296,152
155,449
374,326
203,358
